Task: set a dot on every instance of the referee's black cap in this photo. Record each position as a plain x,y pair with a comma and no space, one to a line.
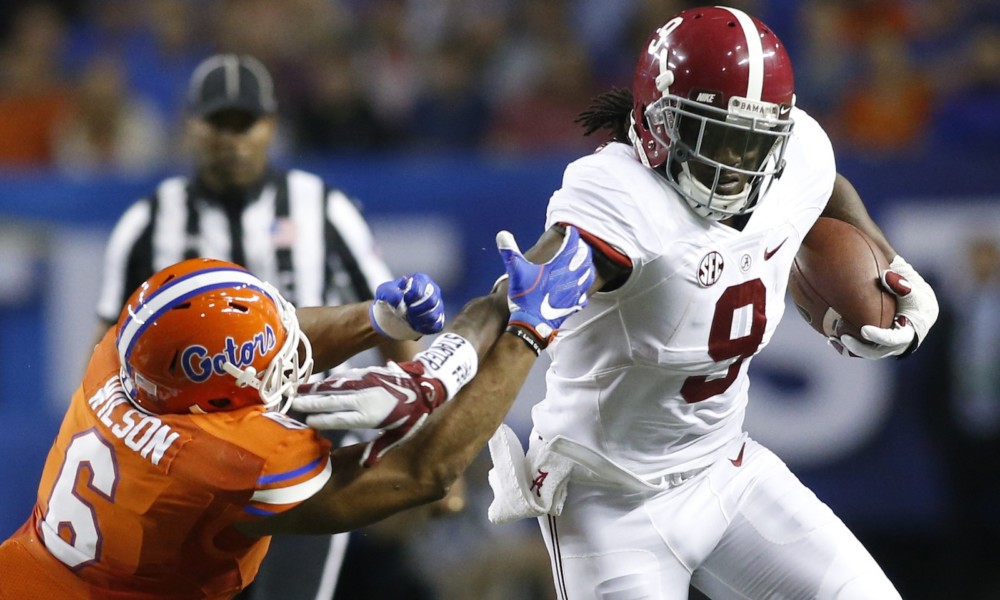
231,81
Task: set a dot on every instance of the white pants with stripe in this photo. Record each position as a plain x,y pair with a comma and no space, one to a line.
752,531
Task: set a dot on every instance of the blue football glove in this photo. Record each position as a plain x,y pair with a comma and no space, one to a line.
407,308
541,297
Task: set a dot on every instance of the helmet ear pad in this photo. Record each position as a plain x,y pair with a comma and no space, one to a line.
204,336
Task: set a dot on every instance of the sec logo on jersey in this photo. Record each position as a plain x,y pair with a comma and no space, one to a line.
710,269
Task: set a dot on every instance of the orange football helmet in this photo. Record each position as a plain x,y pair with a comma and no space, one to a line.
206,335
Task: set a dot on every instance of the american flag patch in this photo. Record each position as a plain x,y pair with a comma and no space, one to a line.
283,233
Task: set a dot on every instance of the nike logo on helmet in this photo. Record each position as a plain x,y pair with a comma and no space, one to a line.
769,253
550,313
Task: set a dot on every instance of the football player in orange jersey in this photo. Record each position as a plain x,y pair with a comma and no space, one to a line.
175,461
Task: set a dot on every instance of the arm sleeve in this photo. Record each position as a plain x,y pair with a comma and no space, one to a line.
293,471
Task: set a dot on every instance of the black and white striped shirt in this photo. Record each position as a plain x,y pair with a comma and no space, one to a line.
293,230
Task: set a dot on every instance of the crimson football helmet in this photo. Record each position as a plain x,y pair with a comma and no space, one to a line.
205,335
713,94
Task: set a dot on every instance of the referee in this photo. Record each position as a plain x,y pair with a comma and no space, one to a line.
287,227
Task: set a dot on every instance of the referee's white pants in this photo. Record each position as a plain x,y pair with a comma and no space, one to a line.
752,531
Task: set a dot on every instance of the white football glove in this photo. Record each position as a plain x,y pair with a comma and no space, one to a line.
396,398
916,311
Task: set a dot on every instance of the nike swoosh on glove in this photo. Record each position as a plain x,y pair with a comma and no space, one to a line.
916,311
397,398
542,296
407,308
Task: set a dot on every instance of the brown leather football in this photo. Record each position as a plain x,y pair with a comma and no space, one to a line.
834,280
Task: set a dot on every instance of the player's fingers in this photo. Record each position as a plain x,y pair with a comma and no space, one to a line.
871,351
339,420
838,346
377,448
426,301
506,242
896,283
581,255
420,288
327,402
888,337
510,252
856,347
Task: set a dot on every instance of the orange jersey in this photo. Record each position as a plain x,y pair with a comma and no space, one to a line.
135,505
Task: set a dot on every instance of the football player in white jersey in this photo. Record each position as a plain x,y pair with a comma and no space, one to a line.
695,210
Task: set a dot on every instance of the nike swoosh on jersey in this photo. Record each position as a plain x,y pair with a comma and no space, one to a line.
769,253
738,461
550,312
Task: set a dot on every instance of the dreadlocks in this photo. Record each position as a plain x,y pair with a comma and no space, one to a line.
609,110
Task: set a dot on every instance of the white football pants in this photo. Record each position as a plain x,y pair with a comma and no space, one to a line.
752,531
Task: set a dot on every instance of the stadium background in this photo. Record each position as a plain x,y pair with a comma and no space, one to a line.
451,120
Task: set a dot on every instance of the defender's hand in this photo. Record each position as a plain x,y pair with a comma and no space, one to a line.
397,398
407,308
541,297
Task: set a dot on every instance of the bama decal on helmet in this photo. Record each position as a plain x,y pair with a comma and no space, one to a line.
199,365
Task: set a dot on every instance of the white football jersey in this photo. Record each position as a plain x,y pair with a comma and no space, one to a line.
654,374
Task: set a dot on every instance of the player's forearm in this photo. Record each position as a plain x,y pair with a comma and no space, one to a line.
481,321
846,205
423,469
456,432
337,332
399,350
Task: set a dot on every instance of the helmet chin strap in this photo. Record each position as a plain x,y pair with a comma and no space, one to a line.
709,204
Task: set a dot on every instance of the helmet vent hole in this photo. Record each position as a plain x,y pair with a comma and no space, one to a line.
173,363
169,277
240,307
182,306
698,16
220,403
731,24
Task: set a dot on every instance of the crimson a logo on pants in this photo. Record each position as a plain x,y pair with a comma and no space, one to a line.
538,482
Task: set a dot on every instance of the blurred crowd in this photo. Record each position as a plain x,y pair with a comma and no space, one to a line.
99,84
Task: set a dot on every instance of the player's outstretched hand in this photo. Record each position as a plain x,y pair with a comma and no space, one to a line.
408,307
396,398
916,311
542,296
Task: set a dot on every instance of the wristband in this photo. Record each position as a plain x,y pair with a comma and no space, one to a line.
528,338
452,360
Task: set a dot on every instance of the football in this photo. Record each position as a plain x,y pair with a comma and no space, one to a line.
834,280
